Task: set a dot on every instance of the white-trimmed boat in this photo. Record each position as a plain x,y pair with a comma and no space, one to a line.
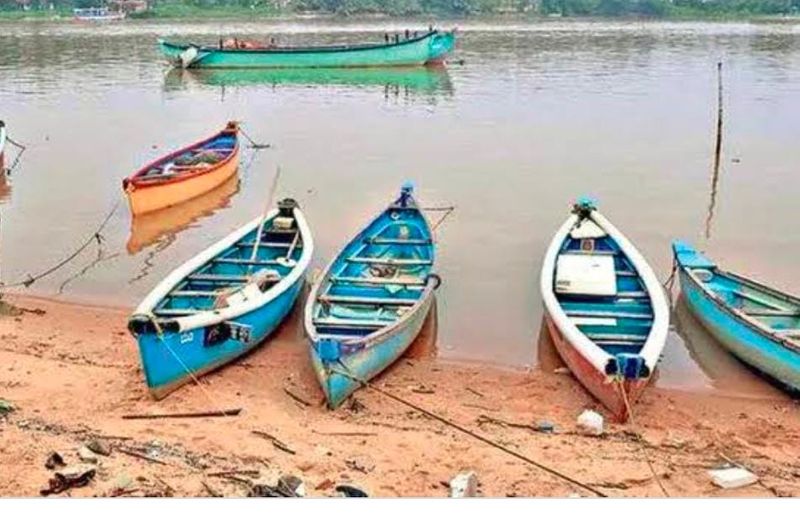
224,301
604,308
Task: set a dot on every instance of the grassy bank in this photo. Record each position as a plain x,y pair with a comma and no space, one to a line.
182,12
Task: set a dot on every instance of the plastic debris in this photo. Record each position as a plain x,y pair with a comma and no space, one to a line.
100,447
54,460
734,477
545,426
288,486
6,407
465,484
86,455
590,423
70,478
350,491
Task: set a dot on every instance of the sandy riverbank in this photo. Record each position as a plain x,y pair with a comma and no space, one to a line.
72,371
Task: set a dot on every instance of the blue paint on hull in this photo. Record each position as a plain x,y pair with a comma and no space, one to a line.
755,346
369,362
167,363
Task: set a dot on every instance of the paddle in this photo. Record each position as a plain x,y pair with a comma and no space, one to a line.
264,219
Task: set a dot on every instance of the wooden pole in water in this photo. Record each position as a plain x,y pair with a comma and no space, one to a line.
717,154
257,244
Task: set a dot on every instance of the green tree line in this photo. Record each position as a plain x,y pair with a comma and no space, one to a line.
566,8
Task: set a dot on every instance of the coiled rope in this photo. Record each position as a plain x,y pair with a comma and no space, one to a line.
468,432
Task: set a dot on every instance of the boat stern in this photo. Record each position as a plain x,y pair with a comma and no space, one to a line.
686,256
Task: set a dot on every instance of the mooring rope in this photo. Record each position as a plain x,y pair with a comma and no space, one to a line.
669,283
446,209
638,434
253,143
20,150
470,433
96,236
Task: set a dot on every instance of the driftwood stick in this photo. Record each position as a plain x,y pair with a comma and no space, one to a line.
139,455
297,397
109,437
476,392
202,414
346,433
211,491
233,473
278,444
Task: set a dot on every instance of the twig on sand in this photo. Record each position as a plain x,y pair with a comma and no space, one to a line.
167,485
278,444
297,398
142,456
233,473
109,437
202,414
346,433
476,392
211,491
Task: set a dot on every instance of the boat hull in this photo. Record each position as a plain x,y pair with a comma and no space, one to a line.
369,362
751,346
157,197
428,49
176,358
605,388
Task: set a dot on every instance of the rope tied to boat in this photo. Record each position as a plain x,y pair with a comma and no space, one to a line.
550,470
95,237
619,380
160,335
20,151
253,143
446,209
670,281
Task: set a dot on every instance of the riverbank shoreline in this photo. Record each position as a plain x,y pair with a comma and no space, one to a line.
72,371
229,14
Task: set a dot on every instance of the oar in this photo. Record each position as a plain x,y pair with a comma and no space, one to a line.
264,219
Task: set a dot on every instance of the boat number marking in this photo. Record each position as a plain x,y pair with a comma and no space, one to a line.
187,337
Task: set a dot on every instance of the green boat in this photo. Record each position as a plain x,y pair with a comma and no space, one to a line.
429,48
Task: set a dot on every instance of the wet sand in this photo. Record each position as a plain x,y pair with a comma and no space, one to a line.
72,371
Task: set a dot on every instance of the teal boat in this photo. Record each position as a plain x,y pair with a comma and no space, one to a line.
429,48
758,324
372,300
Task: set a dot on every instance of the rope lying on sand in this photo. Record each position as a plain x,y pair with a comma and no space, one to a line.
472,434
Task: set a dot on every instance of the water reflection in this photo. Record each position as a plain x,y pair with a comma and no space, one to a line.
398,81
5,186
163,225
724,371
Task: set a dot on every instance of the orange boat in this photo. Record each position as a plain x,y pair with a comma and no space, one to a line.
184,174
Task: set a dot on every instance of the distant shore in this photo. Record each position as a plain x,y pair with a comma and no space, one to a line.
190,13
71,372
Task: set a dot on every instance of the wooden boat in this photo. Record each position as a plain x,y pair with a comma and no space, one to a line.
372,299
604,308
97,14
163,225
758,324
184,174
429,48
224,301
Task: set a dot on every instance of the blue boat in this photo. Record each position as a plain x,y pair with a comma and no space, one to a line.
758,324
224,301
605,310
372,300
